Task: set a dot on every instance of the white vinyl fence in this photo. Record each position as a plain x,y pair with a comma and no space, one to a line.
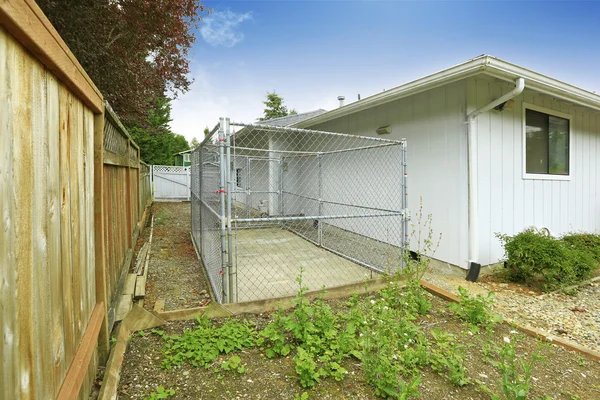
171,183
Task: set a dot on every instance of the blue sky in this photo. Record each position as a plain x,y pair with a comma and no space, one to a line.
310,52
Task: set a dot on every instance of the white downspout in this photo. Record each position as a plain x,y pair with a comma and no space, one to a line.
473,183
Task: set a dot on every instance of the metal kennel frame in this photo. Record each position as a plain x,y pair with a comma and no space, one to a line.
268,200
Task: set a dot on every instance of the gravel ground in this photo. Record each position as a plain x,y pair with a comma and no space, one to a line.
576,317
175,273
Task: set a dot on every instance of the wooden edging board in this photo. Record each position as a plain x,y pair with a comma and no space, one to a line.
79,366
215,310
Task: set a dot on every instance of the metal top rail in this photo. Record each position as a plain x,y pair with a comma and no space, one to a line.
317,132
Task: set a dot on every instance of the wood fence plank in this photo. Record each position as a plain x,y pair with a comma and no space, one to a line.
74,179
65,222
23,220
54,253
100,246
41,268
9,381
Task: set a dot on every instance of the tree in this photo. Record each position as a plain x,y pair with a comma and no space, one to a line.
194,143
275,107
206,131
134,50
157,142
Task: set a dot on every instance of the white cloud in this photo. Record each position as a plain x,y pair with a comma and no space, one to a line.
221,28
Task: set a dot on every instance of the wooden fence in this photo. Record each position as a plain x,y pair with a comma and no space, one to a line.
72,194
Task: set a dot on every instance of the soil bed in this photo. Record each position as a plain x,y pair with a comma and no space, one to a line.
174,273
561,375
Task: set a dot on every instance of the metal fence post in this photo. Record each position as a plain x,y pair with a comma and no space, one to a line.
405,212
320,196
222,177
230,264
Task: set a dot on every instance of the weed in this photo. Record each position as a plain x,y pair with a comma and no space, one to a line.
476,310
234,364
448,358
515,380
161,393
306,368
203,344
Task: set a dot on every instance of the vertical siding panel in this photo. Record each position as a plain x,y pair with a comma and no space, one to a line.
495,162
597,180
509,174
9,373
439,148
518,193
585,171
54,253
578,172
591,186
484,127
65,133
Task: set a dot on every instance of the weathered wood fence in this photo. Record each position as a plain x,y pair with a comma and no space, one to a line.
73,195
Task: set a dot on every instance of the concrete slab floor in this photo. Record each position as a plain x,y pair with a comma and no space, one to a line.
269,261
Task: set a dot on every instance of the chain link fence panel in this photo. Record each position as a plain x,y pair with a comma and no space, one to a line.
269,203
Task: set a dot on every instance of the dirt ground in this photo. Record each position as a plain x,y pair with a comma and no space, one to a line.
562,374
174,274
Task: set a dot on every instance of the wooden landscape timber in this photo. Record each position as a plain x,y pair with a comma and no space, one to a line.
74,199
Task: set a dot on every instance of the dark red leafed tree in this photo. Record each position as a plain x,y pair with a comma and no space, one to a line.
135,51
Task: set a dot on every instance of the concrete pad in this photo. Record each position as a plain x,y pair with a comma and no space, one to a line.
269,261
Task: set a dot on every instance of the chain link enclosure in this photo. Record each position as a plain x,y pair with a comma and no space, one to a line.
269,201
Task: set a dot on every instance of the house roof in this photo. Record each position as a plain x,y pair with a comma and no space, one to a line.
290,120
483,64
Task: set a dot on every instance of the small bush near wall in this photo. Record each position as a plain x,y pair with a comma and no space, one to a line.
536,258
584,241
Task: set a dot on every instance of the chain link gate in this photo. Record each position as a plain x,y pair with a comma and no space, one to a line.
269,202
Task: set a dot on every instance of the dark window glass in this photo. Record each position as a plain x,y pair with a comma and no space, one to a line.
547,144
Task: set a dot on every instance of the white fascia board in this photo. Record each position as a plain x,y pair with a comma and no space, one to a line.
484,64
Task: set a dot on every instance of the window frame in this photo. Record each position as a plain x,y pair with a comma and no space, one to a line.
554,113
186,155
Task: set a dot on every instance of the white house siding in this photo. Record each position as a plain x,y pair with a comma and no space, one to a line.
507,202
433,122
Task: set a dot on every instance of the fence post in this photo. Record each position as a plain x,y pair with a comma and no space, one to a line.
100,252
319,223
222,176
232,268
405,212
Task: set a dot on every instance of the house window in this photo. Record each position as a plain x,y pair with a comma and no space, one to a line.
238,177
546,144
186,157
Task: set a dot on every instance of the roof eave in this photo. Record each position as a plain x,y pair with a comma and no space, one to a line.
485,64
541,83
461,71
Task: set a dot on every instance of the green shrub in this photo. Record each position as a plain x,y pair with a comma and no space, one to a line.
587,242
532,256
